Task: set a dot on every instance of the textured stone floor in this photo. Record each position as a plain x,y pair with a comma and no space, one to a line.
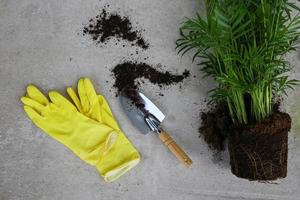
41,43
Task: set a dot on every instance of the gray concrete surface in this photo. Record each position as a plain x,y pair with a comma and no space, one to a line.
39,43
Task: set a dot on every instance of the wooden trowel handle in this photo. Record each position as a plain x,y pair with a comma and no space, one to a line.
175,149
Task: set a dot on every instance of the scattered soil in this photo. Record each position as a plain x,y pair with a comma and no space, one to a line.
215,126
108,25
135,99
259,151
127,73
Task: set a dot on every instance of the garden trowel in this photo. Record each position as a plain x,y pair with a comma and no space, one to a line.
147,118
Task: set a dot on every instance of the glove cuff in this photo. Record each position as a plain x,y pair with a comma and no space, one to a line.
120,158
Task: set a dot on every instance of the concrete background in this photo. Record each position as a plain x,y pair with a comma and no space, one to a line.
40,43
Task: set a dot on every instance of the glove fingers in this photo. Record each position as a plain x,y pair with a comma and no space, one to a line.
41,121
33,115
61,101
104,105
28,102
35,94
72,94
94,107
90,91
110,121
106,113
83,96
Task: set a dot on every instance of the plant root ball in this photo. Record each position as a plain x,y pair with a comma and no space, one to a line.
259,151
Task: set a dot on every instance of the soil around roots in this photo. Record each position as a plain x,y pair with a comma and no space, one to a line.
258,151
215,126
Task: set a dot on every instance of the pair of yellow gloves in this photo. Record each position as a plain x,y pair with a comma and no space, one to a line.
86,126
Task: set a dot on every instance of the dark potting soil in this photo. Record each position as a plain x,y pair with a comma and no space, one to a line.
215,126
127,73
107,25
133,95
259,151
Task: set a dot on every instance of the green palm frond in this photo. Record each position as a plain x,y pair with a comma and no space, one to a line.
242,44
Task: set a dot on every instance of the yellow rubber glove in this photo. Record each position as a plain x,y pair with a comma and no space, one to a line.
88,139
92,105
96,107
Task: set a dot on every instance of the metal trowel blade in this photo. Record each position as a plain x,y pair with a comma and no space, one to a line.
137,106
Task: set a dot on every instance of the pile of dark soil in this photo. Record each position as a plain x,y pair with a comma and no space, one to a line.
215,126
128,72
105,26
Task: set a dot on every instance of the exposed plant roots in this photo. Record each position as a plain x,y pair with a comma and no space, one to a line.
259,152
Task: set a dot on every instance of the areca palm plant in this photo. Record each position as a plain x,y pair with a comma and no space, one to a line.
242,44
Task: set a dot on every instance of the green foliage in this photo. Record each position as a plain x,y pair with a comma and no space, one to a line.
242,44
